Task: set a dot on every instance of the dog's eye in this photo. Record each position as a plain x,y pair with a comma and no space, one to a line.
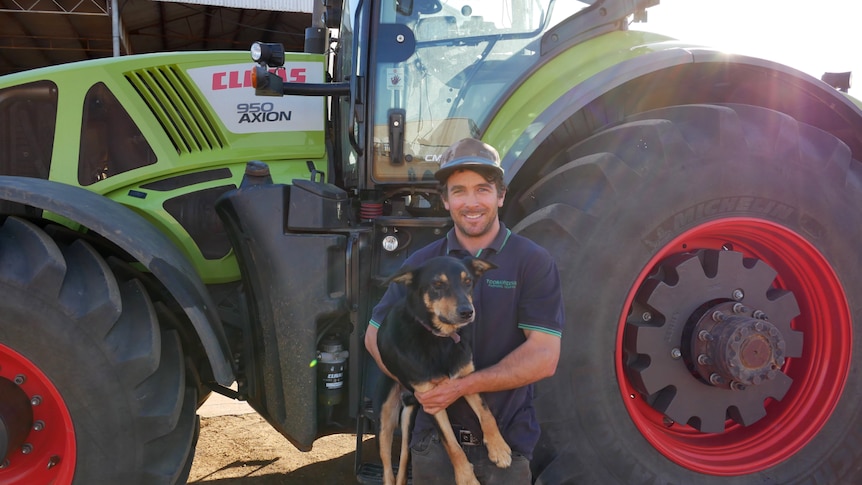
468,281
439,285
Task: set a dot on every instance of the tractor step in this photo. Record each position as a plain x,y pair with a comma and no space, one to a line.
372,474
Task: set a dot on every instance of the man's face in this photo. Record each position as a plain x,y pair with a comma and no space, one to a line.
473,202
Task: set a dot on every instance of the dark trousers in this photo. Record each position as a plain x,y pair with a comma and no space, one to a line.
431,465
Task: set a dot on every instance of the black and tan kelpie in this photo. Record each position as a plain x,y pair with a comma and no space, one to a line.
420,345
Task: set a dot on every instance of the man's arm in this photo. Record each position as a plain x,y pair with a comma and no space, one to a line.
371,346
533,360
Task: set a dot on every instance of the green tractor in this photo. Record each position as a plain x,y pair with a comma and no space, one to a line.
172,224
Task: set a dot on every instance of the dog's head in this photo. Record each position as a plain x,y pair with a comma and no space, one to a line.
443,286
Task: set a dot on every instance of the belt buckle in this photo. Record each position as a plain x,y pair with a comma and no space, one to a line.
466,438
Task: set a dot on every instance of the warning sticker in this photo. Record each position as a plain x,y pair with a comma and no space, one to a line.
229,91
395,78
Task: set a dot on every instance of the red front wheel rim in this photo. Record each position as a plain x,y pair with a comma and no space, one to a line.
818,374
47,454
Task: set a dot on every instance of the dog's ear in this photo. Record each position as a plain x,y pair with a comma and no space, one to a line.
479,266
403,276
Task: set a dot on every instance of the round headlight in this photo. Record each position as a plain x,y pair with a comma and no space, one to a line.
390,243
256,52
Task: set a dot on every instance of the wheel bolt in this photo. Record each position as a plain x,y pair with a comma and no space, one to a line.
737,294
39,425
717,316
20,379
36,400
715,379
758,314
53,461
675,353
4,464
647,316
736,386
739,308
26,448
704,336
704,359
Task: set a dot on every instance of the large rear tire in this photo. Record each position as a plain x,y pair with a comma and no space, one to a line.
101,386
709,257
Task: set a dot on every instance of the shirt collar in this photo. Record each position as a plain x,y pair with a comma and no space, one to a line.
452,244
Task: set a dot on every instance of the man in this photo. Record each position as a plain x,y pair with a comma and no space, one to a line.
516,334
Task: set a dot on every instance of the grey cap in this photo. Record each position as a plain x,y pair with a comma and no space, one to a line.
468,153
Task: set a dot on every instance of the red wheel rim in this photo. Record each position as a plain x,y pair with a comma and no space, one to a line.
49,456
818,375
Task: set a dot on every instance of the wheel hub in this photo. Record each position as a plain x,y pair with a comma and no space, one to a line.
735,347
707,337
16,418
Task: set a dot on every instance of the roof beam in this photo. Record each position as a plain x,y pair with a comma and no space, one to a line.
304,6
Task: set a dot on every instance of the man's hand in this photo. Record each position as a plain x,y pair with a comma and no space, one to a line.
440,396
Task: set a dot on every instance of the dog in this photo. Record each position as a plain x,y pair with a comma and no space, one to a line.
420,345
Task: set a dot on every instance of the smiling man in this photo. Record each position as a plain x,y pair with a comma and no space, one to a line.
516,334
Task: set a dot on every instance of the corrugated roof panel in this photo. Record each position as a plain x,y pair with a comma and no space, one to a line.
304,6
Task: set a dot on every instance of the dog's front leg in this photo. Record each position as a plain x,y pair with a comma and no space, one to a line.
498,450
463,468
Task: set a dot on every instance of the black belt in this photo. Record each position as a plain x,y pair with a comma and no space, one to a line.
466,437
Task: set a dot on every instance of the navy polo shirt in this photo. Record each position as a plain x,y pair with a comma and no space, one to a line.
522,293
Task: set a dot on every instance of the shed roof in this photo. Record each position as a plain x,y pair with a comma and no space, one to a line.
37,33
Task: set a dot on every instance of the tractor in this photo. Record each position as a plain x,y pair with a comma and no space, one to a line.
178,224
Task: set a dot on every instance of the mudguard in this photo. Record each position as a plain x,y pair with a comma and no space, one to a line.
142,241
802,96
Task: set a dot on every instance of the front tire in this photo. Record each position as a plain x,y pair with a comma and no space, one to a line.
661,222
104,387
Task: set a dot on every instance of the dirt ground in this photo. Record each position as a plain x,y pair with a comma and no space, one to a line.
245,450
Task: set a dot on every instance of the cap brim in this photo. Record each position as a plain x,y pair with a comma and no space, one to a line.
467,163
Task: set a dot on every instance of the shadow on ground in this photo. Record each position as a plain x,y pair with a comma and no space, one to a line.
336,471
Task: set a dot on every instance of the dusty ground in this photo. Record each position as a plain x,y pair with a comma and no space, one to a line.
245,450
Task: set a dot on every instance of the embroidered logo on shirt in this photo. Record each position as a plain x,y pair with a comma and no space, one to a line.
505,284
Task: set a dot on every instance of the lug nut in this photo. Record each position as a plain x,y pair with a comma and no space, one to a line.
26,448
704,359
715,379
53,461
717,316
704,336
36,400
739,308
737,294
39,425
675,353
20,379
647,316
736,386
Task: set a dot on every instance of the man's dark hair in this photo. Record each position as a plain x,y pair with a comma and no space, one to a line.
490,175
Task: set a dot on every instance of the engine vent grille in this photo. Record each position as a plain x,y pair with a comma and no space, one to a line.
177,107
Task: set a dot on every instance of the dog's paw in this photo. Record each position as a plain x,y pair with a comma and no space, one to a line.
499,452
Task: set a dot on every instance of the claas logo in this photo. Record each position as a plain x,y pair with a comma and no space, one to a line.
242,79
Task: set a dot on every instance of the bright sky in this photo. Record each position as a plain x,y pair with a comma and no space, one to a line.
813,36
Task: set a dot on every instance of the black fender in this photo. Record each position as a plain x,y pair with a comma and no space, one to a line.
685,76
134,234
